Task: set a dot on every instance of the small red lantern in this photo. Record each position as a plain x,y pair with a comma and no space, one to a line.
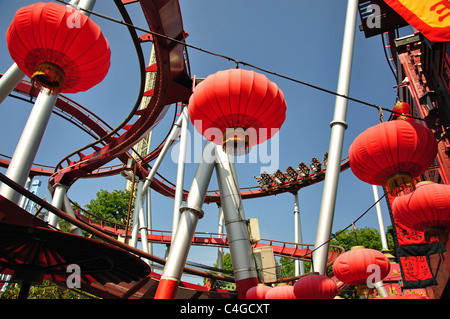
58,48
257,292
402,110
282,291
315,286
427,209
358,265
392,154
243,107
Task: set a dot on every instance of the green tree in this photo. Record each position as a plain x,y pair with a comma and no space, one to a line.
112,206
48,290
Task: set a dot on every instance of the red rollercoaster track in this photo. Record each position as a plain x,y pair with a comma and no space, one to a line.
173,85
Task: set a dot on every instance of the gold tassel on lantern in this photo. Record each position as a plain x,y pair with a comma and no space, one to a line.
50,76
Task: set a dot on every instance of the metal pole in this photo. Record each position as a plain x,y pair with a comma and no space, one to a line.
142,224
376,197
238,238
190,214
338,127
149,219
180,173
58,201
69,210
9,81
137,206
299,264
220,249
162,154
27,147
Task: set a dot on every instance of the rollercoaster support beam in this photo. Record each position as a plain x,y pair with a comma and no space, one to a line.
180,171
27,147
376,197
220,231
299,264
338,127
9,81
59,193
173,133
191,212
236,225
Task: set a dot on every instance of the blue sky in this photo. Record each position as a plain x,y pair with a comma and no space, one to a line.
298,39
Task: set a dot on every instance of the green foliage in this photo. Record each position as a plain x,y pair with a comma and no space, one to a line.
112,206
48,290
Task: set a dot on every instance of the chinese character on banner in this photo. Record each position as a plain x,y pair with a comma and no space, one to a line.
429,17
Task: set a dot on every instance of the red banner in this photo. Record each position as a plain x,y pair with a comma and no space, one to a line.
413,255
429,17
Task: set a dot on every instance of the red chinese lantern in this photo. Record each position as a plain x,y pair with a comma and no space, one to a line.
237,108
402,110
427,209
358,265
392,154
58,48
315,286
282,291
257,292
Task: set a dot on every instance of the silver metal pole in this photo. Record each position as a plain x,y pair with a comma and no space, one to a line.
69,210
180,172
137,206
376,197
162,154
191,212
149,219
234,215
27,147
338,127
220,231
142,224
299,264
9,81
58,201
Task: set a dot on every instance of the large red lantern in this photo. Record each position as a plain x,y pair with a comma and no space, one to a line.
360,265
392,154
282,291
427,209
315,286
257,292
58,47
237,108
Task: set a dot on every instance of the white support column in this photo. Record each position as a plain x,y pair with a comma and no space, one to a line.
299,264
58,201
69,210
148,202
376,197
173,133
9,81
27,147
180,172
338,127
220,231
238,238
137,207
191,212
